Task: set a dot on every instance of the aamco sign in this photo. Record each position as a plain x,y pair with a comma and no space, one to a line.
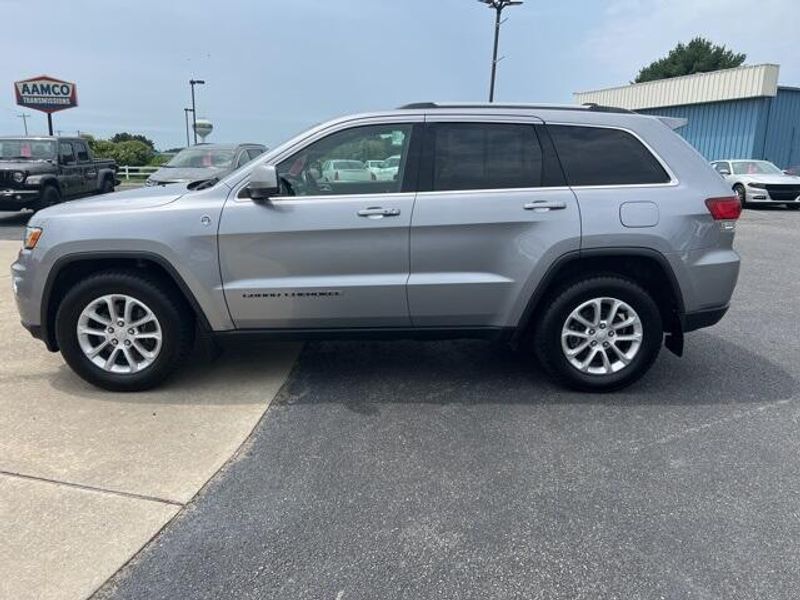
46,94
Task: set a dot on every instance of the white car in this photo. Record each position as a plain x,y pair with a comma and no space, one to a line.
348,171
760,182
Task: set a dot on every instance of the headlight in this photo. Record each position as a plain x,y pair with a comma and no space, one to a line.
32,235
18,176
760,186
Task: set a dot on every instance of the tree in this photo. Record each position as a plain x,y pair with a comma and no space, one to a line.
129,137
132,152
698,56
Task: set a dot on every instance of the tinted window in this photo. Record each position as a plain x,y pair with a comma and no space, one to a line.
67,155
244,158
336,164
253,152
598,156
470,156
83,152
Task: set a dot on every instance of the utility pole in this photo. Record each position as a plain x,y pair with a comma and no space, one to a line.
24,117
192,83
498,6
186,112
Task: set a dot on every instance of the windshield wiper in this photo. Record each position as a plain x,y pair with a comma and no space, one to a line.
203,184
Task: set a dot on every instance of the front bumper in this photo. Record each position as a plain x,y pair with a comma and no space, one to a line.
18,199
762,196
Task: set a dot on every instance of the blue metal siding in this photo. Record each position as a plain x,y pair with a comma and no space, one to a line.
732,129
782,140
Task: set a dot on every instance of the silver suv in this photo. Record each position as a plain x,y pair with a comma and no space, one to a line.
591,235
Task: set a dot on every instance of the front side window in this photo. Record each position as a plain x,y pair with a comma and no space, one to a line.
602,156
83,152
337,164
722,168
481,156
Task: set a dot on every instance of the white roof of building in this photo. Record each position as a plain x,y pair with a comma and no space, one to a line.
729,84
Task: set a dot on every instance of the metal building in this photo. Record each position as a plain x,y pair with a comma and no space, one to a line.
734,113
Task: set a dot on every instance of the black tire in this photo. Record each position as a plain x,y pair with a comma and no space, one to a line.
741,193
50,197
547,334
793,206
172,312
107,186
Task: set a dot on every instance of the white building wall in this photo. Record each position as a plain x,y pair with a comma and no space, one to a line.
728,84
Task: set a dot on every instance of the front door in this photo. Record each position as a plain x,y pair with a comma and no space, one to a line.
328,252
492,213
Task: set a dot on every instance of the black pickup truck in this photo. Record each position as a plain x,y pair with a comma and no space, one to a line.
36,172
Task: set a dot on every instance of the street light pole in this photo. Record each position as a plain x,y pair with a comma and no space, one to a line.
24,117
498,6
192,83
186,112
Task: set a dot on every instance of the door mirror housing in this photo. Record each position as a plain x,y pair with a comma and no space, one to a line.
263,182
724,172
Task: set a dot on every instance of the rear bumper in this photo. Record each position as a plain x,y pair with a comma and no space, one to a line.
702,318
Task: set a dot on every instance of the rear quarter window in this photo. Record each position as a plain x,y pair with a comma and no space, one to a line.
601,156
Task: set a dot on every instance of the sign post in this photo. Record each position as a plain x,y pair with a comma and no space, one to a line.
46,94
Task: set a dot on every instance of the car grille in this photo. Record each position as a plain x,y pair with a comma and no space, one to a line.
783,191
6,182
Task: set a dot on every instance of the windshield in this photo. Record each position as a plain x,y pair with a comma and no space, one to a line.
27,149
755,167
202,158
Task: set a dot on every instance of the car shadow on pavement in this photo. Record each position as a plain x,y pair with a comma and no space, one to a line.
712,371
244,374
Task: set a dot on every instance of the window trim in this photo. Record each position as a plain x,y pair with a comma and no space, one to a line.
673,180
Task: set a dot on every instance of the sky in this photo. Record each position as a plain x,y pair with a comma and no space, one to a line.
274,67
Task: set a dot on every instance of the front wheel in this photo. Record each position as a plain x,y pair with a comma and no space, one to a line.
599,334
122,331
50,197
741,194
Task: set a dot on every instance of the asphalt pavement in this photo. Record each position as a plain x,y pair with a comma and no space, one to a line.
12,224
455,470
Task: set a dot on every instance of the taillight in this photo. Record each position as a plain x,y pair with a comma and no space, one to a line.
336,175
726,208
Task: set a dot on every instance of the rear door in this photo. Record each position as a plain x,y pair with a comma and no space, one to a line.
71,177
87,167
491,215
324,254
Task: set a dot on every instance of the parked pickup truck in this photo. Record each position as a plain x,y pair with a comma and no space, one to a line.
36,172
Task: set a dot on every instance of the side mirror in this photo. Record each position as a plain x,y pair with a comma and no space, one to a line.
263,182
724,172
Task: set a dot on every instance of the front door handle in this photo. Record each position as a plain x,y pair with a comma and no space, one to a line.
545,205
377,212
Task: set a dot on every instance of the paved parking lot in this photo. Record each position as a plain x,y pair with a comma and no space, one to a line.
87,477
455,470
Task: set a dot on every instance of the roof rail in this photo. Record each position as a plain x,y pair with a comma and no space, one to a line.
588,106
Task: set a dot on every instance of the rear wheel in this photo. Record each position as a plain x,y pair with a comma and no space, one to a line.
107,186
599,335
123,332
741,193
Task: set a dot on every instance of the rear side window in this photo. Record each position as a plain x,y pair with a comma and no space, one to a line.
83,153
475,156
600,156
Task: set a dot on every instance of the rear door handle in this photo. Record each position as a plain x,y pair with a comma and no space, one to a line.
378,212
545,205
